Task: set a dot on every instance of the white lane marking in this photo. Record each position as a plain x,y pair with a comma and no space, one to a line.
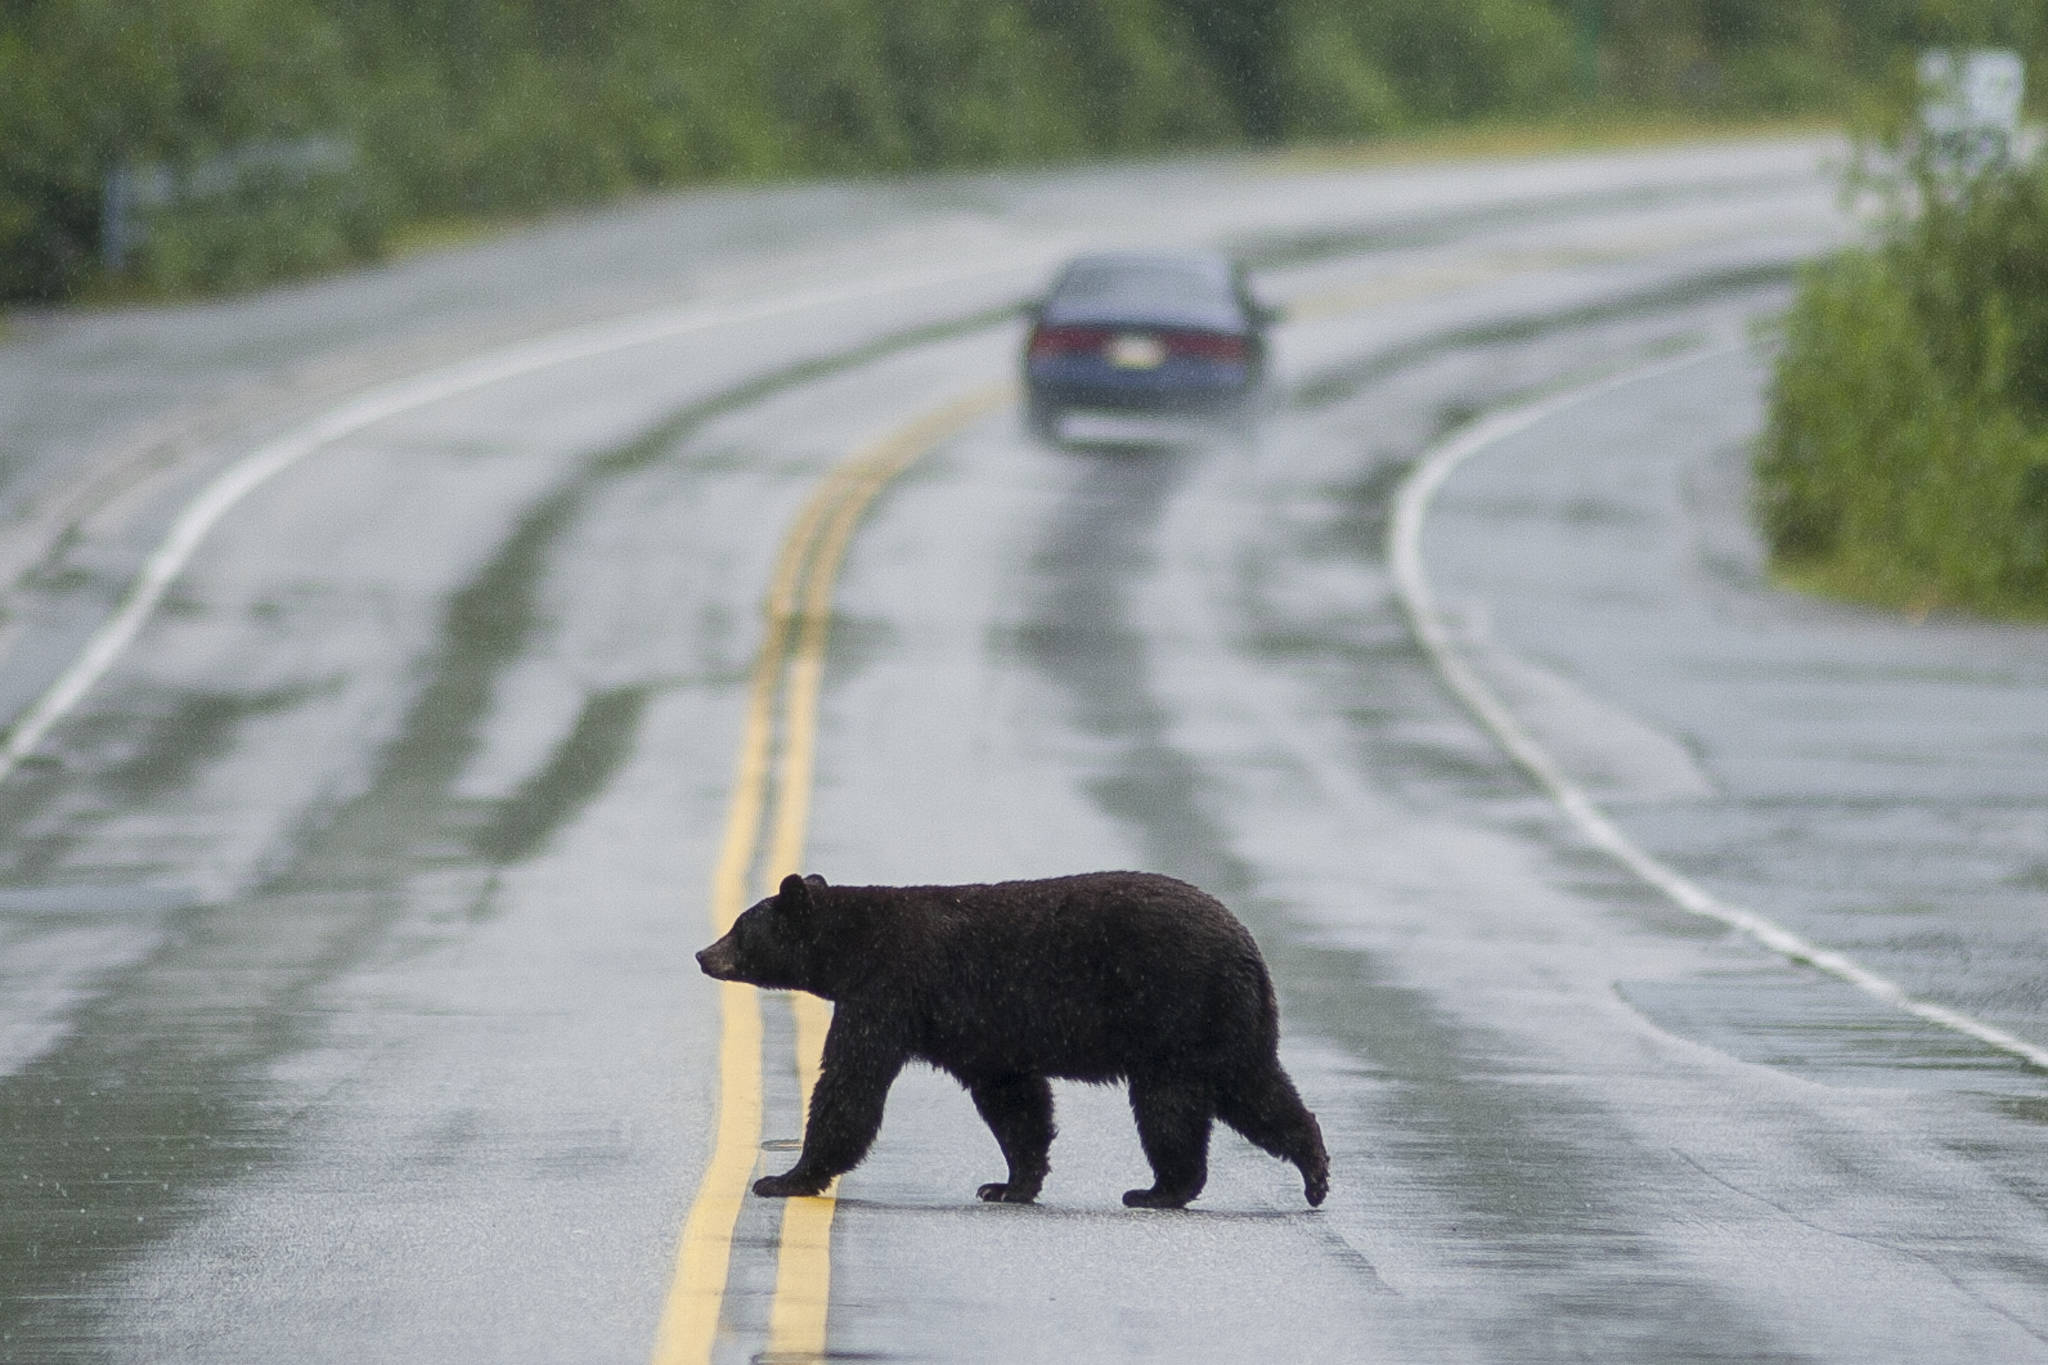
252,471
1404,552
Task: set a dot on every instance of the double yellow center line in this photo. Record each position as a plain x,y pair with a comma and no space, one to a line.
782,705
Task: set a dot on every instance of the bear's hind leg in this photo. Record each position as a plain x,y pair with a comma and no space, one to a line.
1268,1110
1173,1127
1018,1110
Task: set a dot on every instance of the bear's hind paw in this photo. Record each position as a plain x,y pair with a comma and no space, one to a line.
996,1192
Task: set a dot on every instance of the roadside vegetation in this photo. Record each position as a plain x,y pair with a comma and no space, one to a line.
1905,458
267,138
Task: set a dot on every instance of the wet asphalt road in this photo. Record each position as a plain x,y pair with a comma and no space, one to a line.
346,1001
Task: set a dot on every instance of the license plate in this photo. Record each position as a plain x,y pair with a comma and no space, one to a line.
1135,351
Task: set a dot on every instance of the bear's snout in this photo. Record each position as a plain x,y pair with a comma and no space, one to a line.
716,961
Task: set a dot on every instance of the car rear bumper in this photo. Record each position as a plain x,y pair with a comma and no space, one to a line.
1170,388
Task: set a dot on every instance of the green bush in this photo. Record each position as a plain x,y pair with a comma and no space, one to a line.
87,86
1352,70
1905,460
1336,89
1460,59
269,226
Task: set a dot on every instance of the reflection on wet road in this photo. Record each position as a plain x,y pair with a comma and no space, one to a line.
346,1005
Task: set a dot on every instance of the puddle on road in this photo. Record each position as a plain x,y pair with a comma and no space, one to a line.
1342,383
132,763
192,729
581,767
1822,1030
1296,247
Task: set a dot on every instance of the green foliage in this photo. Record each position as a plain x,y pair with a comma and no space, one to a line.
1460,59
484,107
269,226
1244,43
1336,89
1906,457
1783,56
88,85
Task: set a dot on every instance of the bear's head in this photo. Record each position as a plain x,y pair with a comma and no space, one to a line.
774,942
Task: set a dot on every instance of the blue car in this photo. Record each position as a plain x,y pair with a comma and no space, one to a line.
1153,331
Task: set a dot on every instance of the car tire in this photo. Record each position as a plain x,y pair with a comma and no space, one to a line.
1240,416
1042,418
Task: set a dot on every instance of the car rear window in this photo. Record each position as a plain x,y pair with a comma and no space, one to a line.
1190,293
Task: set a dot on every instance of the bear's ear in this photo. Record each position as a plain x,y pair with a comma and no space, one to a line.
793,898
815,882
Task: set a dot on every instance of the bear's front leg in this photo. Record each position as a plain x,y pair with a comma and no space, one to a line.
845,1111
790,1184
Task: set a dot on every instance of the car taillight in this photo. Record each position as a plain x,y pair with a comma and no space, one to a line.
1206,345
1051,341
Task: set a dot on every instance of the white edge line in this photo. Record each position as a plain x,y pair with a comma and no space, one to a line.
199,516
1404,552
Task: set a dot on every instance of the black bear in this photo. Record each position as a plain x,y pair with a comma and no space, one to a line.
1108,976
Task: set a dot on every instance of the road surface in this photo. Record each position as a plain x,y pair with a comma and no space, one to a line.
349,888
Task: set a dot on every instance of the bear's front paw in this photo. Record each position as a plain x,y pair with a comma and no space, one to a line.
996,1192
786,1186
1155,1198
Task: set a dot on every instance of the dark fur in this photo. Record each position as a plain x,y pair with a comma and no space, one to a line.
1109,976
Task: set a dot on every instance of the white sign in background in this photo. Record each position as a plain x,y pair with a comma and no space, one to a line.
1970,104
